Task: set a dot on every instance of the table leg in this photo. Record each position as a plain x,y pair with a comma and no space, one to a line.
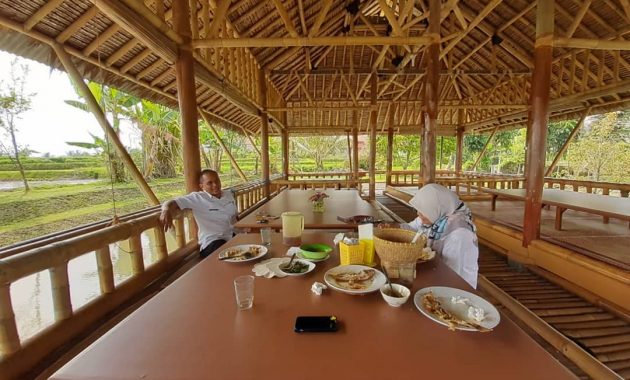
494,201
559,212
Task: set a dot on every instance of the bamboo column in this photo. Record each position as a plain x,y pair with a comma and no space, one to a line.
96,110
431,91
373,117
61,291
185,77
349,151
459,155
564,147
285,154
355,145
390,146
264,134
105,270
537,120
137,261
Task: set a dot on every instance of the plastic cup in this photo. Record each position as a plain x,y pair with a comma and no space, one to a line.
244,289
265,236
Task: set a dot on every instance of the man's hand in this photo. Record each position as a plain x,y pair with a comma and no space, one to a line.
166,217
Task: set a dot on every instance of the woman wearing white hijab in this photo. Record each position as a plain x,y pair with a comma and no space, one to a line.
447,222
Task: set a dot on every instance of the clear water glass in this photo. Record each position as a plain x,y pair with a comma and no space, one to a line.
265,236
244,289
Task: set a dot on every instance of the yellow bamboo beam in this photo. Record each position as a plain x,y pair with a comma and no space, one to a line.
41,13
373,121
592,44
219,17
321,16
135,253
309,41
96,110
77,24
288,22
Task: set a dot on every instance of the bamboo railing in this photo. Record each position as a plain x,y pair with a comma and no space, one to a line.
332,180
604,188
54,254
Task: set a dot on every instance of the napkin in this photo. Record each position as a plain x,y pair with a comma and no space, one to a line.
338,238
269,268
318,288
293,250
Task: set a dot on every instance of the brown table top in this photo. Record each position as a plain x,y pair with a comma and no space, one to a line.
339,203
193,330
605,205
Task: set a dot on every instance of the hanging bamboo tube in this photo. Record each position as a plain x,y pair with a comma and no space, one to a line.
61,291
96,110
137,261
537,121
105,270
9,338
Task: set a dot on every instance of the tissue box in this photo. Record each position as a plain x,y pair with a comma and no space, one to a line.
351,254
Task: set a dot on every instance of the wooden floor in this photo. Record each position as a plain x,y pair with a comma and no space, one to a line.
581,232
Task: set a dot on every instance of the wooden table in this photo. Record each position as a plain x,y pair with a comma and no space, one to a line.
339,203
604,205
193,330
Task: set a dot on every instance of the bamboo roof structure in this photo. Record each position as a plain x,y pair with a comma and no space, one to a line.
316,58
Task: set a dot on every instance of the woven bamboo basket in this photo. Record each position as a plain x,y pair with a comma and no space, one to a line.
393,246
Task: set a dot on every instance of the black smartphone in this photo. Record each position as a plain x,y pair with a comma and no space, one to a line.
316,324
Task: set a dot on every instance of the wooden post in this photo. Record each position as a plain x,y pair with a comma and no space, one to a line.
355,145
137,261
537,120
61,291
96,110
9,338
105,270
264,134
460,150
285,154
431,94
349,151
564,147
160,244
373,116
185,76
390,146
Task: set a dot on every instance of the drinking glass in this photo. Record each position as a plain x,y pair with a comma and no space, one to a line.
244,288
265,236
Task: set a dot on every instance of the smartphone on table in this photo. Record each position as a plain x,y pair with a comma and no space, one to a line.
326,323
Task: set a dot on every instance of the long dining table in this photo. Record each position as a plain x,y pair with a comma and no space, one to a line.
193,330
343,203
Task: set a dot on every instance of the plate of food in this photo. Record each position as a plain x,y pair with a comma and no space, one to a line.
457,309
297,267
242,253
354,279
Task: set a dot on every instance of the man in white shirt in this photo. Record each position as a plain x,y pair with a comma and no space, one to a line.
214,211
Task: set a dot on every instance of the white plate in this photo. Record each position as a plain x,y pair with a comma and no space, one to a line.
311,266
444,294
243,248
377,281
300,256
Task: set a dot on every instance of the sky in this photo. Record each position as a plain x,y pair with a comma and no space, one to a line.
51,122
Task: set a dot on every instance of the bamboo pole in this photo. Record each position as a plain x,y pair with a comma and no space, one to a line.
460,149
284,42
349,145
285,154
390,147
105,270
135,252
591,44
431,94
180,233
485,147
564,147
184,74
537,121
355,146
264,135
61,291
9,338
223,146
96,110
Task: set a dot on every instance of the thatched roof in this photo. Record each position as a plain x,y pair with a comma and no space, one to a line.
486,58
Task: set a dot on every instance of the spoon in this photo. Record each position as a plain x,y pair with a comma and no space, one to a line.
288,266
391,288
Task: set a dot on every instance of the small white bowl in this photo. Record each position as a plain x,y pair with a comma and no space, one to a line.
395,301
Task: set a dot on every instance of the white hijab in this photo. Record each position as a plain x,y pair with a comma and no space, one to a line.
435,201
